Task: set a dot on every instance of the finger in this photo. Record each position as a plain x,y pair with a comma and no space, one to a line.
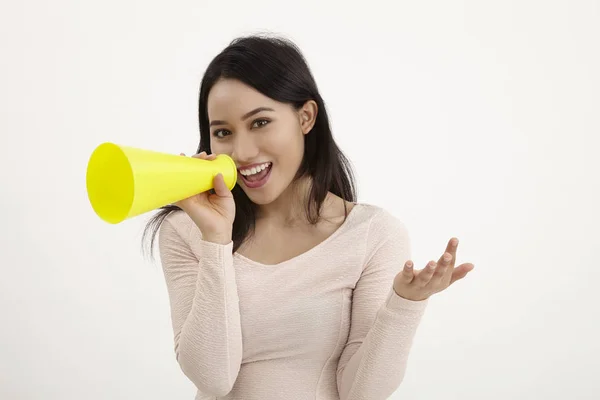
426,273
444,267
181,154
220,187
211,156
201,155
446,259
408,273
460,272
451,248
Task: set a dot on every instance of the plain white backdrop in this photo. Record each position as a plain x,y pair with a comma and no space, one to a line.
474,119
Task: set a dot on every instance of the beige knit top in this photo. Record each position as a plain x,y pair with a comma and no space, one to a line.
324,325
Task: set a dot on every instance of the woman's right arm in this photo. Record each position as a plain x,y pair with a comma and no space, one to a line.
204,303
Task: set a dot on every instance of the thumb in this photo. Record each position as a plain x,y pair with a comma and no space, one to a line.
220,187
460,272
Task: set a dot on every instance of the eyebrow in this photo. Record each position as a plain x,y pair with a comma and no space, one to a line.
244,117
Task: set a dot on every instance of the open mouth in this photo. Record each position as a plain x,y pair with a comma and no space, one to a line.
256,177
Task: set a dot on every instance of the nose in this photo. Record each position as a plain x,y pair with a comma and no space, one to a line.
245,150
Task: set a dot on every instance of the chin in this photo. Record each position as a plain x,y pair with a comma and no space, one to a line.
268,193
260,199
264,197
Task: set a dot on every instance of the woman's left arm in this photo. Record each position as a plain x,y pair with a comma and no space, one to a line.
383,323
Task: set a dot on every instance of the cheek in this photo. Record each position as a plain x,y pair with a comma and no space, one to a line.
288,147
219,147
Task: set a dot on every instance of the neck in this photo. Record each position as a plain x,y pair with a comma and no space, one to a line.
289,208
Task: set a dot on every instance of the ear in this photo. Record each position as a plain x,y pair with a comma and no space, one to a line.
308,116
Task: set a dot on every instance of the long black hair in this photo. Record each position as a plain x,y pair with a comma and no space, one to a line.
275,67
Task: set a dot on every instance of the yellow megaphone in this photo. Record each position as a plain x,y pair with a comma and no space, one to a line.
123,181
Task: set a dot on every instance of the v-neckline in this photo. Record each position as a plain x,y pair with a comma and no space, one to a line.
313,249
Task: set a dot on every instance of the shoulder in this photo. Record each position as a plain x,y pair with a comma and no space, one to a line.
178,224
381,222
179,238
387,236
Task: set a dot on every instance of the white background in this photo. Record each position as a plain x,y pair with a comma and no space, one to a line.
474,119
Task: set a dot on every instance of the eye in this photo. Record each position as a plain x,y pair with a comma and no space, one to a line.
259,123
220,133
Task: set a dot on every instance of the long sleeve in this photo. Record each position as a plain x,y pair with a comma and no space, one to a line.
373,362
204,302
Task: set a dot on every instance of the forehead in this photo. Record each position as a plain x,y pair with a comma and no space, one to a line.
231,98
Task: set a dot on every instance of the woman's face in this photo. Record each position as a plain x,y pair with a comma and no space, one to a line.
264,137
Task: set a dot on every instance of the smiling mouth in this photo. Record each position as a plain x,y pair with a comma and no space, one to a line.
256,177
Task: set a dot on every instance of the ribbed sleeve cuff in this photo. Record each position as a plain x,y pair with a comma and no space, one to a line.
397,303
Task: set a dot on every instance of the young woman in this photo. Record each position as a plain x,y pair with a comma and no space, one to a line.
286,287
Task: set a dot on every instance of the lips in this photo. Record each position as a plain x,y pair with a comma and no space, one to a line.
252,169
262,175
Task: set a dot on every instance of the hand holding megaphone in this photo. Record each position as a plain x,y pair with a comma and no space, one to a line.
123,182
213,213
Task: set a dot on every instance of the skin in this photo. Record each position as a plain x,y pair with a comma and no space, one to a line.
277,135
434,278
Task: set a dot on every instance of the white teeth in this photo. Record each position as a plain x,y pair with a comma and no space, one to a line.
254,170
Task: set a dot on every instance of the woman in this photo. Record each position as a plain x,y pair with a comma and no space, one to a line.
286,287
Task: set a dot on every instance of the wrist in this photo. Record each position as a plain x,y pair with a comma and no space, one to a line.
218,238
411,298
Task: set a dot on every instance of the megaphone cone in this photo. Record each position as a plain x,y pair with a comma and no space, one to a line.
123,181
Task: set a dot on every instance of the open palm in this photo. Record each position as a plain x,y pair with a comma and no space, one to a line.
435,277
